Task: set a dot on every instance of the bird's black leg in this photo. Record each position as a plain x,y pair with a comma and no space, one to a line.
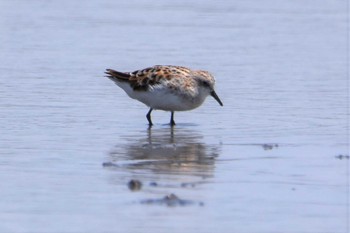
172,122
148,116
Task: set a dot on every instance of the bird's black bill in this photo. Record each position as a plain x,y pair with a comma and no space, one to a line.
216,97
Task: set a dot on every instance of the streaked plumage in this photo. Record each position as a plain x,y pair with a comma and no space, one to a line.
168,88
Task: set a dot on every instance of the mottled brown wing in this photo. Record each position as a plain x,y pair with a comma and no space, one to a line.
138,80
130,78
141,80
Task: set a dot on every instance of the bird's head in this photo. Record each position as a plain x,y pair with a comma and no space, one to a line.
207,81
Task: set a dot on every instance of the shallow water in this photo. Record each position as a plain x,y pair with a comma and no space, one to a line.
273,159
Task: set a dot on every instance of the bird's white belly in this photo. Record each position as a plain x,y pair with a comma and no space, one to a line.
164,99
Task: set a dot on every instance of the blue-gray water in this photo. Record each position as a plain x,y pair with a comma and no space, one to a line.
273,159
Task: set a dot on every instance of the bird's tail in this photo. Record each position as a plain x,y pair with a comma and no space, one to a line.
117,76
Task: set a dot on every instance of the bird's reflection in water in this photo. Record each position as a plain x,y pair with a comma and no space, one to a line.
166,151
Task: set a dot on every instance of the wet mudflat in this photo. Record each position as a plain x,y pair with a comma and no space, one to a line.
77,154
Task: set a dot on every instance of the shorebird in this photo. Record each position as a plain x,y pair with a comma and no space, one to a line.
166,87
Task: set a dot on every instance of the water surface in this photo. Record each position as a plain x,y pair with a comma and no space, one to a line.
273,159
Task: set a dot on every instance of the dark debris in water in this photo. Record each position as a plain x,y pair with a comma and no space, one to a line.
269,146
340,156
109,164
171,200
182,185
135,185
153,184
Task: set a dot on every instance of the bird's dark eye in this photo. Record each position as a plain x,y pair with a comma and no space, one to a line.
205,83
